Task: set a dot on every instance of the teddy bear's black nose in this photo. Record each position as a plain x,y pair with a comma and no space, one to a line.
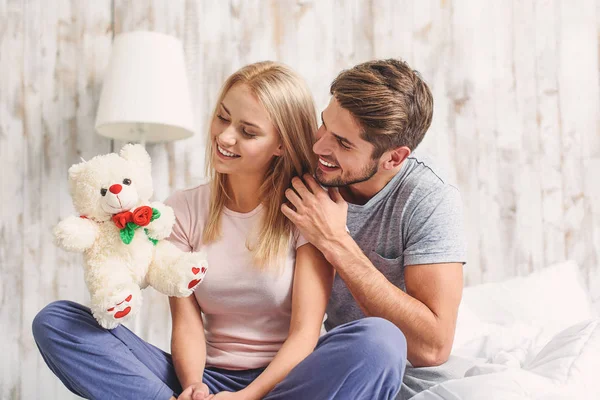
116,189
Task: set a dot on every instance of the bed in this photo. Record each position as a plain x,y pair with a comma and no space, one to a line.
534,337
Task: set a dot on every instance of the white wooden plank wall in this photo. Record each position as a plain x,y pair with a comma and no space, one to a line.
516,124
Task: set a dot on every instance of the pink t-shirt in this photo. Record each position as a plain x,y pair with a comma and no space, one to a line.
246,311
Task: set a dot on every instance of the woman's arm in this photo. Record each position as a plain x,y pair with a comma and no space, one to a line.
188,344
313,279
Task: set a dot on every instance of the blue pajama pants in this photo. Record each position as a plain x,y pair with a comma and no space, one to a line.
363,359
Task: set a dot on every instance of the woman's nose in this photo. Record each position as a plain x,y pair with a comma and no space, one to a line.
227,136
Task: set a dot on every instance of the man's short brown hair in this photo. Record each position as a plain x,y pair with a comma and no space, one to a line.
389,101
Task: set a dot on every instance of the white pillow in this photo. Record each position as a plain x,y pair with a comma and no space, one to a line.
552,297
548,301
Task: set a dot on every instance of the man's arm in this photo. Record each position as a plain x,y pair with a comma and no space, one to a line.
426,314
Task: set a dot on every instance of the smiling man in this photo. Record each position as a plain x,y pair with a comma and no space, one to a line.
389,222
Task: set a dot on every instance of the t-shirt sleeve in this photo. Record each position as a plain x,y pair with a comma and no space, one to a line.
180,236
300,240
435,229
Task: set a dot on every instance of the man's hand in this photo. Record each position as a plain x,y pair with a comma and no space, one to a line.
227,396
196,391
319,215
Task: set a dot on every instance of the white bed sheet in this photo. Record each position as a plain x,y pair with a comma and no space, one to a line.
533,337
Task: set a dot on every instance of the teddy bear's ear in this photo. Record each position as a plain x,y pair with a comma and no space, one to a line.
75,170
137,154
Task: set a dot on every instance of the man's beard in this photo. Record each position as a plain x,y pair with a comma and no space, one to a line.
366,174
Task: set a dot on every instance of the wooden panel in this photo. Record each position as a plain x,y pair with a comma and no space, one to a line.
48,102
13,133
65,50
465,92
504,135
578,107
548,126
42,262
393,32
353,32
570,87
592,187
527,226
431,54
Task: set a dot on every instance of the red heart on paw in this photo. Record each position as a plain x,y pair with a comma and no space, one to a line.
127,299
193,283
195,270
121,314
203,270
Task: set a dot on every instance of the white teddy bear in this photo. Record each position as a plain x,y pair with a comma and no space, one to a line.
120,234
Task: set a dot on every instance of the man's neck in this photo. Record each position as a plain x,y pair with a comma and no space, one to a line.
243,191
361,193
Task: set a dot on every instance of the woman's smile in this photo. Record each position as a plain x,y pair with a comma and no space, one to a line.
224,154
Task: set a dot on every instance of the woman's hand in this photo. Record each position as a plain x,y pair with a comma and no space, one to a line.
196,391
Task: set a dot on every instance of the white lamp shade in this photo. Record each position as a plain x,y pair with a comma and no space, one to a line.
145,94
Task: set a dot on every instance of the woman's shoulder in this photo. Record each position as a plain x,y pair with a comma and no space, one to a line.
190,197
298,240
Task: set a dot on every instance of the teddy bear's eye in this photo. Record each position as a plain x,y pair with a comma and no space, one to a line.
127,181
103,192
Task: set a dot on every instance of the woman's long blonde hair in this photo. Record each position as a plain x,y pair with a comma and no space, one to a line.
290,107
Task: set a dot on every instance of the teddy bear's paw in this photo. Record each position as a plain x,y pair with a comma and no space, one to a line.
198,270
199,273
118,307
162,227
159,230
75,234
191,269
121,309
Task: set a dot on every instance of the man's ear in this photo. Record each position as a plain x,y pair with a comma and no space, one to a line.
395,157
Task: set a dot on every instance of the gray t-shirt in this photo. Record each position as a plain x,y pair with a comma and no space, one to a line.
415,219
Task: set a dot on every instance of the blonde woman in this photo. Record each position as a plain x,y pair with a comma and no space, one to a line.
265,298
259,312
